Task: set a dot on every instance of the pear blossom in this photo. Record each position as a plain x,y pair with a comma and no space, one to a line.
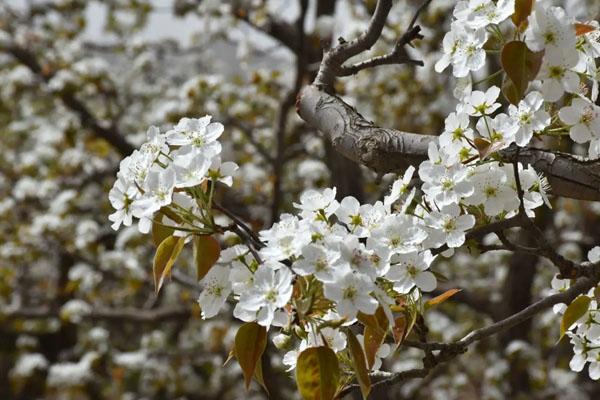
500,130
318,260
271,290
350,212
217,287
463,48
480,13
400,189
558,75
135,168
450,225
156,142
196,135
222,171
411,269
190,169
471,56
549,28
351,293
457,136
493,190
317,203
446,185
483,103
529,116
354,255
284,239
121,197
400,233
158,192
583,117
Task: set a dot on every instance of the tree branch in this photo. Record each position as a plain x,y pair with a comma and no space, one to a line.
331,66
390,150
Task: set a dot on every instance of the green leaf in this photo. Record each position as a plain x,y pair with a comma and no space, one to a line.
166,255
523,9
250,343
317,373
574,311
521,66
206,254
159,231
359,363
441,298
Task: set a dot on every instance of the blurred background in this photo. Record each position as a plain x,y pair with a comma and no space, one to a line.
81,81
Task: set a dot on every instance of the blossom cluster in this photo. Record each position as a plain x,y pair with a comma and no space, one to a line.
338,260
585,332
568,71
165,169
355,258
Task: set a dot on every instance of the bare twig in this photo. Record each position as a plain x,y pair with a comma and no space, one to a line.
334,58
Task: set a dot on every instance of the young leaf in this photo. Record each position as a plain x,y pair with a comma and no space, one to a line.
485,147
250,343
359,363
159,231
523,9
574,311
510,92
441,298
166,255
317,373
399,329
206,254
582,29
521,65
258,376
374,337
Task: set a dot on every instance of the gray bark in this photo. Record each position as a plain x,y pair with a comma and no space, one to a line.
390,150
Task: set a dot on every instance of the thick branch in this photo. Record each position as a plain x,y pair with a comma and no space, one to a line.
390,150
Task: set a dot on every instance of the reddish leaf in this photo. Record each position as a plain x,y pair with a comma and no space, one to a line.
441,298
159,231
582,29
523,9
166,255
258,376
376,327
399,329
317,373
374,338
250,343
206,254
521,66
359,363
